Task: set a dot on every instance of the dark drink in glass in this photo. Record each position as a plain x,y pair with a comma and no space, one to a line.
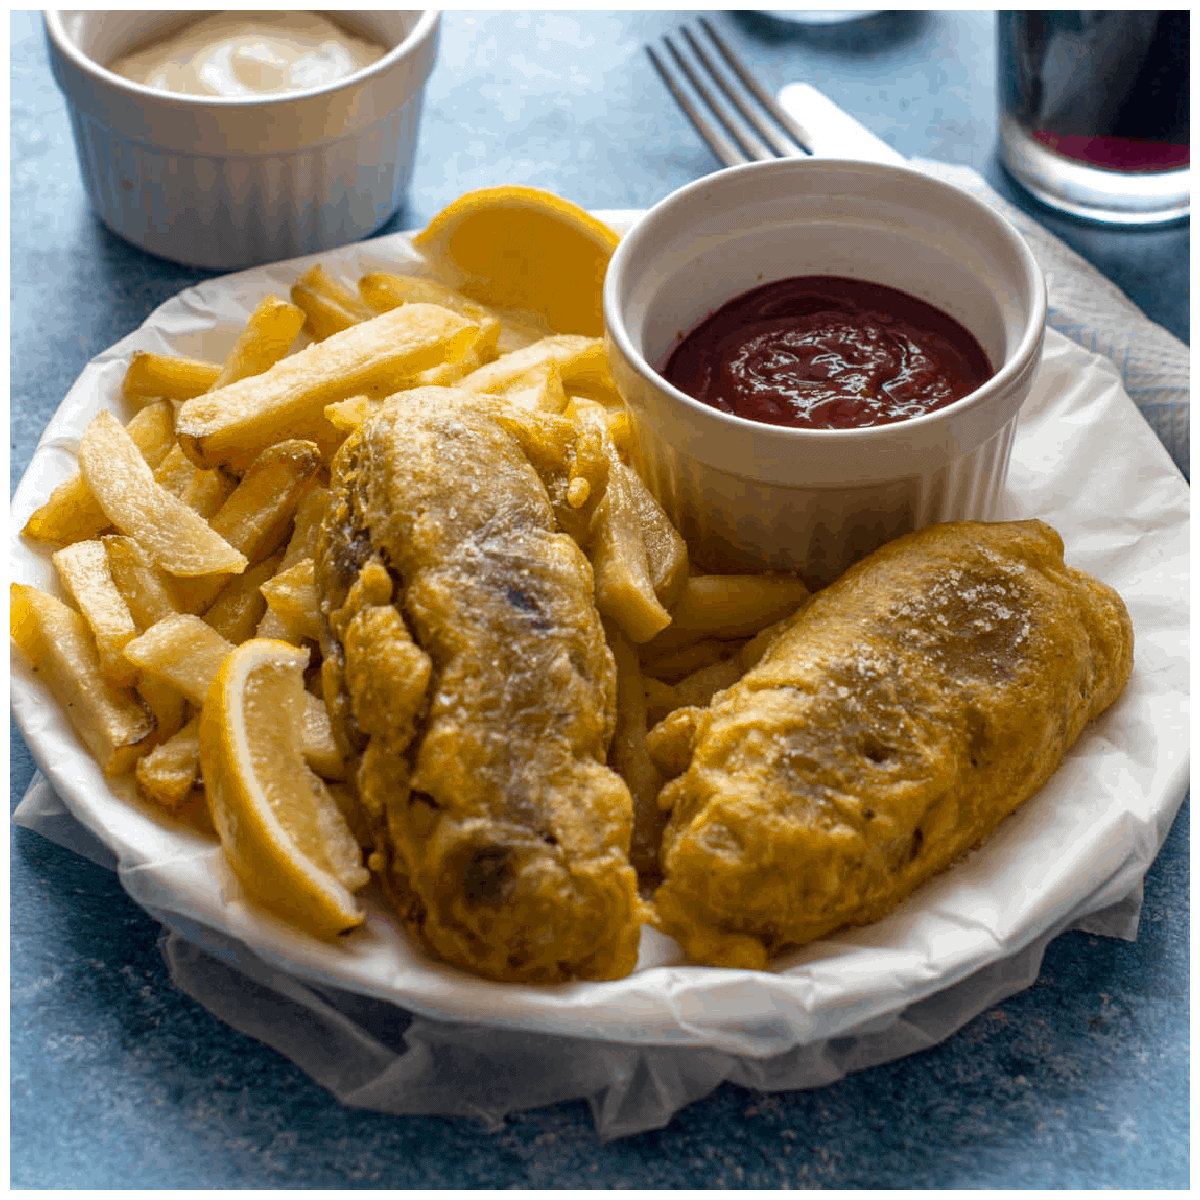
1094,111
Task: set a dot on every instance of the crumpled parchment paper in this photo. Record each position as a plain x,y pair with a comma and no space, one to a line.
402,1033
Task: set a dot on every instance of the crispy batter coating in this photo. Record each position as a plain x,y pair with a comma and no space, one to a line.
914,704
467,672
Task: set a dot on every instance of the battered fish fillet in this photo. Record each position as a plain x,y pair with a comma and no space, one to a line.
908,709
467,671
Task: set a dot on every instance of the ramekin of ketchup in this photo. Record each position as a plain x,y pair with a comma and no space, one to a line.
820,355
826,352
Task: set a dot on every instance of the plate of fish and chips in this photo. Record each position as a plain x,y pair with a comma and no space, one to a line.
1078,845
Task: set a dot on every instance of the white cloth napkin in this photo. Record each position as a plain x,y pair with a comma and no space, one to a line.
372,1054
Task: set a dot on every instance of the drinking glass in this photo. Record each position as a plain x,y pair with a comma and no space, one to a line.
1094,111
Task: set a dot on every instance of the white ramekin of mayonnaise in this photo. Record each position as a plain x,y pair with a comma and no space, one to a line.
223,139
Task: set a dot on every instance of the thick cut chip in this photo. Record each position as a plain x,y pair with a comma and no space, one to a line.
624,589
169,772
328,304
292,597
280,827
267,337
168,376
729,606
84,571
628,756
383,292
148,591
240,605
168,705
232,426
306,526
666,551
72,513
181,651
317,741
580,361
175,537
112,722
673,665
256,516
539,389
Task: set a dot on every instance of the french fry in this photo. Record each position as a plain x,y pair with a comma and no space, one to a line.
169,772
539,389
84,571
447,374
615,421
317,740
306,526
666,551
272,627
624,590
660,699
72,513
255,518
328,304
181,651
674,665
670,742
166,703
580,361
292,597
176,538
202,491
168,376
207,491
240,605
701,686
267,337
112,722
383,292
147,590
232,426
347,415
175,471
730,606
628,756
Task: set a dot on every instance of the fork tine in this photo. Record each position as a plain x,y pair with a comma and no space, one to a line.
745,137
755,88
717,142
779,144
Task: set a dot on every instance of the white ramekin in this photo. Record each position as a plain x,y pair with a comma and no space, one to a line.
753,496
224,183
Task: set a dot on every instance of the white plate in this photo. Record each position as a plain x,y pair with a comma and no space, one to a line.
1084,460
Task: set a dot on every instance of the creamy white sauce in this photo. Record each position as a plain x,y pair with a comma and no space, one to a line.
249,54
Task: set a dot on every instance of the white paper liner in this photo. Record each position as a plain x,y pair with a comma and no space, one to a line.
1084,460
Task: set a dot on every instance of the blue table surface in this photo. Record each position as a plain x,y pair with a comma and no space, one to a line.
118,1080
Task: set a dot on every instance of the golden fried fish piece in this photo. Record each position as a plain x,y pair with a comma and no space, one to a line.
467,671
914,704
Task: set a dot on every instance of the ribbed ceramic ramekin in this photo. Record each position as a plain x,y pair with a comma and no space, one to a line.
752,496
227,182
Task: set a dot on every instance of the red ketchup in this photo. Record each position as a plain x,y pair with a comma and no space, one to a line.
823,352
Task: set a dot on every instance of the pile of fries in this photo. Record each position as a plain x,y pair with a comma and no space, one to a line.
191,528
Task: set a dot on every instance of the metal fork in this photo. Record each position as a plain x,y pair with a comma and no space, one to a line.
759,131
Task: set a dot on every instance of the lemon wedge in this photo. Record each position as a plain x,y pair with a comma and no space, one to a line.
281,829
526,249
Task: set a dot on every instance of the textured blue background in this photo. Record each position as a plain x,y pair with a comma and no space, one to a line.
120,1081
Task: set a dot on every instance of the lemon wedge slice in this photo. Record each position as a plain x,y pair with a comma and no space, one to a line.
280,827
527,249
